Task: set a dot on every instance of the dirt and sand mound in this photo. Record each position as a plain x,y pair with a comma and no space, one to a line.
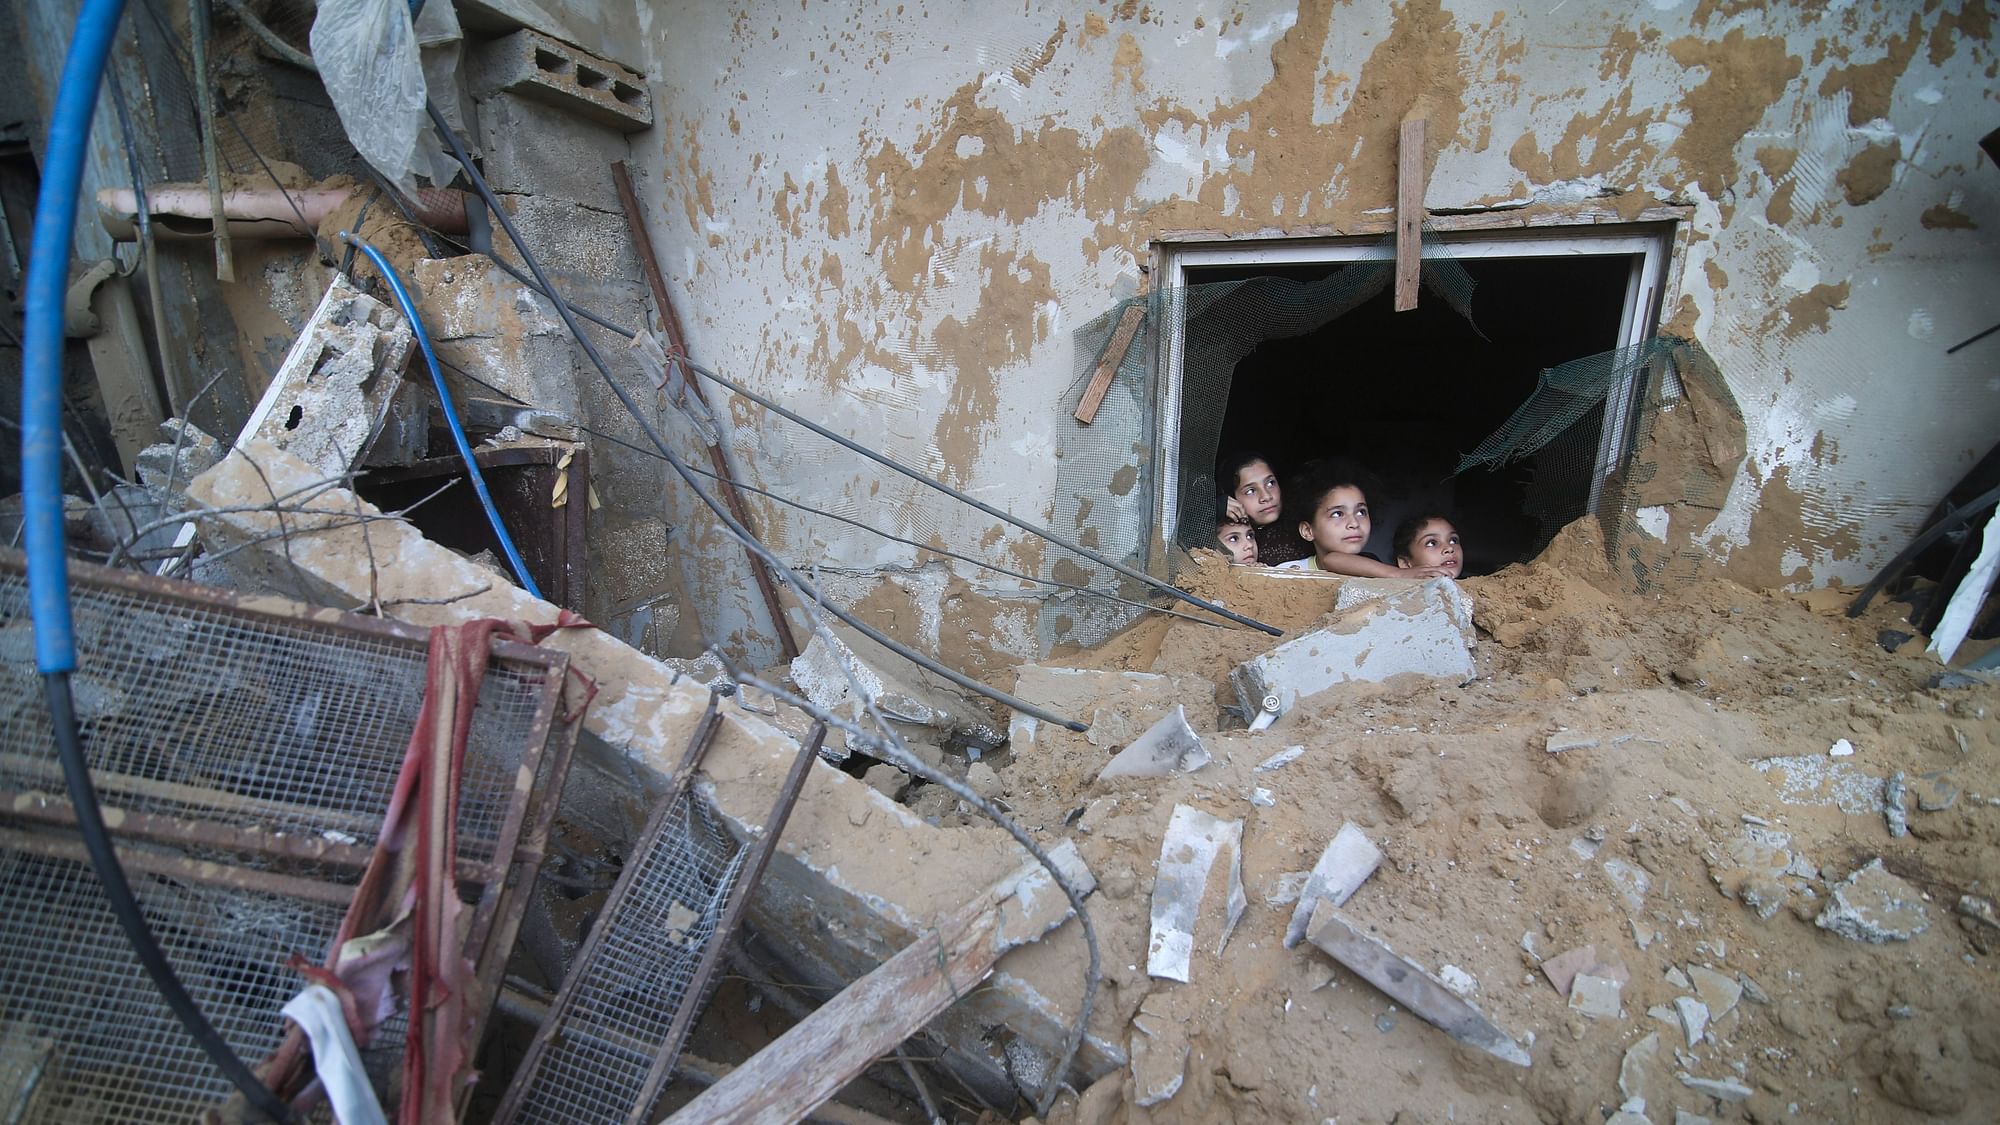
1648,777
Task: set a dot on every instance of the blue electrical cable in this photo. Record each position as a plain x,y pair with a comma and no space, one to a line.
42,347
450,411
41,492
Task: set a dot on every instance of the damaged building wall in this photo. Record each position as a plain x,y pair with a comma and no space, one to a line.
892,216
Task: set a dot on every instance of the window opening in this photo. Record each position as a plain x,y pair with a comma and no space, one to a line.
1405,395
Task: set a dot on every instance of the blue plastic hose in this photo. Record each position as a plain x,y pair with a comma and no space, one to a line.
42,346
41,494
450,410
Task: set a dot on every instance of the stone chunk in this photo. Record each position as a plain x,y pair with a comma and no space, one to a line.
1874,906
1721,1089
1169,746
1596,997
1718,990
1347,862
1190,849
1426,630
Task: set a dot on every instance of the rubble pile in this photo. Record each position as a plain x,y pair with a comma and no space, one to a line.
1627,842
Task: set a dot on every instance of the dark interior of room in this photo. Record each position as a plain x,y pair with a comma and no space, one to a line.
1407,394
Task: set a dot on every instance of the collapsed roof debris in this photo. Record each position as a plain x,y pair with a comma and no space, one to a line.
755,674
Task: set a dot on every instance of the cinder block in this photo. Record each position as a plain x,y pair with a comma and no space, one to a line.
533,148
1425,629
535,66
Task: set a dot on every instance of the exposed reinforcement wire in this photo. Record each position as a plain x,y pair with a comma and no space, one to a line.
813,597
996,513
450,410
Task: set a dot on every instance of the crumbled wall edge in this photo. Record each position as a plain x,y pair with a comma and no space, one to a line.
856,876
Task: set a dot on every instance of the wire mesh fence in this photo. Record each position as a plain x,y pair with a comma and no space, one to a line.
590,1063
244,760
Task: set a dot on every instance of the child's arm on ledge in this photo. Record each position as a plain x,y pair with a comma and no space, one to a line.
1358,566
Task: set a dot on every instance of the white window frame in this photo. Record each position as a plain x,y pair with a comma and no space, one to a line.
1650,249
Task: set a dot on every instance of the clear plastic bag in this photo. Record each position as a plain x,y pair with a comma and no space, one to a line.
368,59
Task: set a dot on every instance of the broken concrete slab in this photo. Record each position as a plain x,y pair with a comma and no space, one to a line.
1808,779
855,878
1119,706
1721,1089
1872,905
1159,1053
1406,982
1630,881
1425,630
1640,1070
481,319
1693,1015
1718,990
837,663
1168,747
1563,969
1596,997
339,397
1193,844
1280,760
1344,864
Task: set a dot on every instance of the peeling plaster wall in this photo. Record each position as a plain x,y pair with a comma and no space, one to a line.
891,216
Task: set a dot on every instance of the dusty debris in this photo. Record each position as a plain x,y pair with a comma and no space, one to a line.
1194,843
1346,862
1407,982
1168,746
1871,905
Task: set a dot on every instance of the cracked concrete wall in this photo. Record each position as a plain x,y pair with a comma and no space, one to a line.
892,216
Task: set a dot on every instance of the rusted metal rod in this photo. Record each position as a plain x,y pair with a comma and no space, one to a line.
670,321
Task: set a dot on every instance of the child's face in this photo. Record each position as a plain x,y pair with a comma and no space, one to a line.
1340,524
1436,544
1257,489
1239,541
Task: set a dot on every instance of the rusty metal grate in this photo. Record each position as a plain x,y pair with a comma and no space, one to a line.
245,752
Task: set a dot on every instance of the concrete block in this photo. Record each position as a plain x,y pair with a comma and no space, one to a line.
855,877
485,322
1875,907
535,66
1346,862
1424,629
537,149
331,399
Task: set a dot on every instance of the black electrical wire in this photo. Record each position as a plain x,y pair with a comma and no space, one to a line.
125,905
721,511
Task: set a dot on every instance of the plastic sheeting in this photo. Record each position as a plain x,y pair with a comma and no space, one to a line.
371,59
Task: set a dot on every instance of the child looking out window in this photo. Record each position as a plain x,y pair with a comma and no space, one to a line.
1429,541
1333,519
1256,498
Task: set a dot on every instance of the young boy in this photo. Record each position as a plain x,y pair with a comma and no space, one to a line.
1429,541
1255,498
1238,540
1334,520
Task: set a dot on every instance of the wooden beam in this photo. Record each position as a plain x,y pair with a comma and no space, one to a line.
1409,213
1108,361
807,1065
